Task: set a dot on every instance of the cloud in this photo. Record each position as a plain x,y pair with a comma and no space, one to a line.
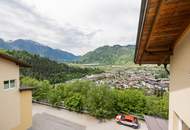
69,27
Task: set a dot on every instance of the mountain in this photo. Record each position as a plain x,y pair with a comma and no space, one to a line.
4,45
46,69
110,55
37,48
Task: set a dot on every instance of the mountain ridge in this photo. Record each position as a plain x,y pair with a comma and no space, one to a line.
115,54
38,48
105,55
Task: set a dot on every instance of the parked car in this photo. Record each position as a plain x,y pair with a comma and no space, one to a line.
128,120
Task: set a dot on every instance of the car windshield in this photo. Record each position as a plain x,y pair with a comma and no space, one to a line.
122,117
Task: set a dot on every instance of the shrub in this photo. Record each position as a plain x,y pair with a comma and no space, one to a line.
100,102
40,93
42,88
157,106
152,105
77,87
131,101
164,106
30,82
74,103
54,97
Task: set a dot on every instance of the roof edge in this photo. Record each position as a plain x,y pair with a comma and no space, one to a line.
13,59
144,4
24,88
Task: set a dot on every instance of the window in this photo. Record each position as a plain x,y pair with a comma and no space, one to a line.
9,84
6,84
12,83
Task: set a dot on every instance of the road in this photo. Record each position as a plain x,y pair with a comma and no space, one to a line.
48,118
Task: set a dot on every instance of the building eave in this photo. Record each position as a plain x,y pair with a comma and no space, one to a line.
161,24
25,88
13,59
143,10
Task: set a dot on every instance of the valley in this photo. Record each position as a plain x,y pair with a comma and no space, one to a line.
148,77
100,88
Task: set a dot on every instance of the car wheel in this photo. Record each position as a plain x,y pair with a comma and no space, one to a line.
118,122
135,127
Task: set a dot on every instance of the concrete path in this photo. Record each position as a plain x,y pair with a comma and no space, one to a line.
48,118
45,121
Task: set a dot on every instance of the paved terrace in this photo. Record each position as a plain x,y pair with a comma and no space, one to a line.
48,118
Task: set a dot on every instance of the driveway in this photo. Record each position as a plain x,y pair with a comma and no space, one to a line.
45,121
48,118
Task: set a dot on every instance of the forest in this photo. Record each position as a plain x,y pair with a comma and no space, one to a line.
46,69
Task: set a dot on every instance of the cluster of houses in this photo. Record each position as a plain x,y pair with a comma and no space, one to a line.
132,78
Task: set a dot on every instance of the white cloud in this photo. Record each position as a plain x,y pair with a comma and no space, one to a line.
77,26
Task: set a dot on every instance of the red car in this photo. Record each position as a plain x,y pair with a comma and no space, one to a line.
128,120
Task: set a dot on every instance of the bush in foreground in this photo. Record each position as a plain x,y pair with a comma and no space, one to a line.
101,101
54,97
75,102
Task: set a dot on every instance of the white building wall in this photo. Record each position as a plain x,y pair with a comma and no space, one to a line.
180,83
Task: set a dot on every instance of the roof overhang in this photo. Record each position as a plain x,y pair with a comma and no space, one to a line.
161,24
25,88
13,59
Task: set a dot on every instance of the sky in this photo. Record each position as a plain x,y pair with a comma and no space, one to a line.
76,26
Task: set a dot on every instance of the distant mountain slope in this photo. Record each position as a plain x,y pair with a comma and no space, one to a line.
4,45
110,55
37,48
46,69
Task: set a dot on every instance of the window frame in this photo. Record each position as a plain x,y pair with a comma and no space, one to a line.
9,84
14,81
181,124
4,82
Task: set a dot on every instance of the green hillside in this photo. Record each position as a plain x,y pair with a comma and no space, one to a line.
116,54
46,69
